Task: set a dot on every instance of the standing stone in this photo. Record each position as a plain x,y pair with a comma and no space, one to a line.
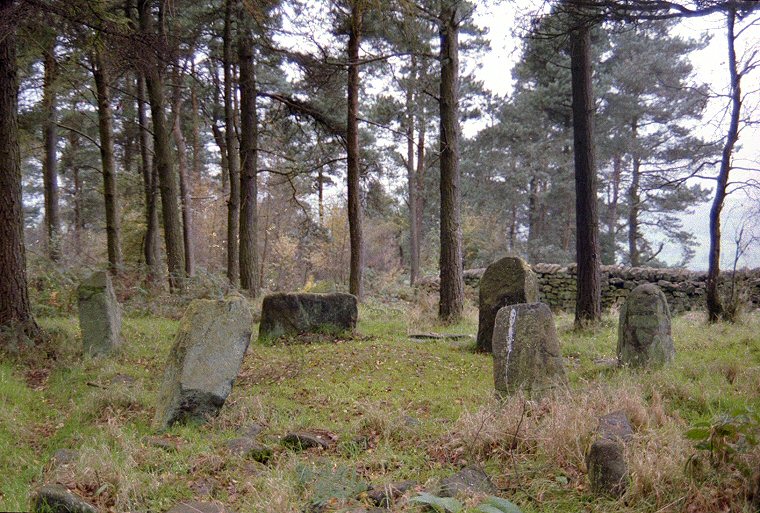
644,338
508,281
294,314
212,339
607,468
526,350
99,315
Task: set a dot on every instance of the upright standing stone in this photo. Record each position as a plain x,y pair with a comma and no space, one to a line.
99,314
294,314
526,351
644,337
212,339
508,281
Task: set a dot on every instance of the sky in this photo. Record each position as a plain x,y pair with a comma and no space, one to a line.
494,69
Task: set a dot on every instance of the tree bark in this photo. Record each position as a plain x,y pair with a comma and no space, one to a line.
249,254
151,246
184,186
108,161
588,299
50,161
15,309
167,178
355,285
634,202
612,210
414,236
451,304
715,308
233,156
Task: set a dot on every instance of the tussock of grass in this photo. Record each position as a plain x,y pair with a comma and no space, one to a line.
399,410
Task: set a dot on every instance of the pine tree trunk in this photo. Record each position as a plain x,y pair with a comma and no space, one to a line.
184,186
355,285
233,156
197,155
588,299
249,254
612,210
151,247
634,202
108,161
715,308
420,183
534,225
451,304
414,236
50,162
167,178
15,309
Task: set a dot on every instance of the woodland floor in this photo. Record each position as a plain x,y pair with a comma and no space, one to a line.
425,408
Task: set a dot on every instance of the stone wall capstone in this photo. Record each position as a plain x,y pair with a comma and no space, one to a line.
684,289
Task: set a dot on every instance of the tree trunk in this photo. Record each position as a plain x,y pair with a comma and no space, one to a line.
420,182
634,202
534,225
15,309
197,159
414,236
184,186
233,162
355,285
249,223
451,304
108,162
167,178
588,299
151,246
612,210
715,308
50,162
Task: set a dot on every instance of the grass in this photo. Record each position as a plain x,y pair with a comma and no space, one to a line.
423,408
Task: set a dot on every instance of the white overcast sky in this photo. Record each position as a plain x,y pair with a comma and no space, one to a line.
495,67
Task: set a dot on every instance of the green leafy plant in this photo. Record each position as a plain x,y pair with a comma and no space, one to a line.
726,434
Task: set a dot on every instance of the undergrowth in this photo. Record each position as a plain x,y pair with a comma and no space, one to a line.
399,409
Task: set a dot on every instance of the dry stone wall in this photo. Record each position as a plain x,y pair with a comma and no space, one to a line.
684,290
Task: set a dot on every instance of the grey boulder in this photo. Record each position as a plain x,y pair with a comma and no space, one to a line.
99,315
644,332
295,314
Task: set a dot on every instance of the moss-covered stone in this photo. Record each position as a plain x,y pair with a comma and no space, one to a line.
526,350
644,332
212,339
99,315
508,281
296,314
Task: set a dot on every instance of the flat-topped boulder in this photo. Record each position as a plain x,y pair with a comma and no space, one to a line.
526,350
208,350
99,315
508,281
296,314
644,332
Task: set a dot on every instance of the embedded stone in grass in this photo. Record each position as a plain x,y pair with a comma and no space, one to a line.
385,496
508,281
199,507
468,481
248,448
99,315
526,350
208,350
64,457
607,468
294,314
301,440
615,426
55,498
644,332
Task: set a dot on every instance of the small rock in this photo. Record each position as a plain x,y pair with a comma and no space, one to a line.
248,448
305,440
54,498
385,496
607,469
410,421
252,430
122,379
64,457
467,481
615,426
162,443
199,507
203,487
